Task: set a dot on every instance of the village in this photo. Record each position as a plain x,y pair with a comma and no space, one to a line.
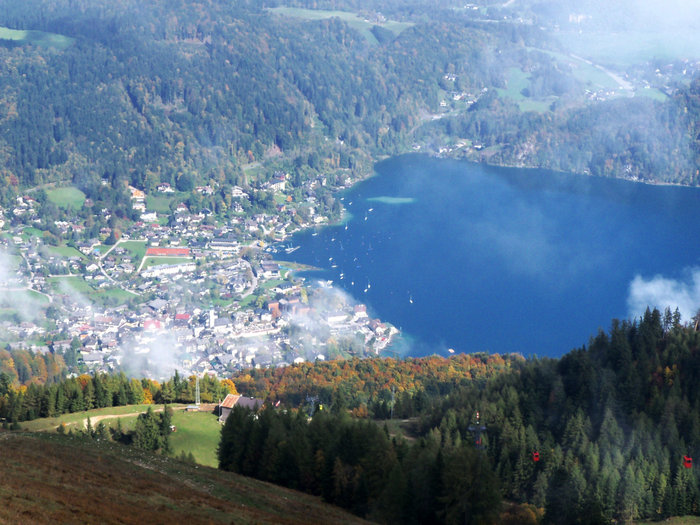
180,292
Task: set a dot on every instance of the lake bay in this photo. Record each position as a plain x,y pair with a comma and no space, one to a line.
477,258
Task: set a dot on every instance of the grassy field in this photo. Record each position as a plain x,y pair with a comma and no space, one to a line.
37,38
161,203
31,232
353,20
155,261
66,251
197,432
80,285
50,478
587,73
102,248
68,197
76,283
136,249
518,80
77,419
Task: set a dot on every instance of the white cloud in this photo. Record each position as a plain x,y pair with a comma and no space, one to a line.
662,292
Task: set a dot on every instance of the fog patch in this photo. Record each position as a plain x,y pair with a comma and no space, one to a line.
14,292
662,292
384,199
150,354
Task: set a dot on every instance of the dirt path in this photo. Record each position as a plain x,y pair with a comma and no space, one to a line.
96,419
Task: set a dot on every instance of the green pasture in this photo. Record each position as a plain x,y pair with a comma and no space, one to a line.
586,73
136,249
517,81
83,287
38,38
195,432
198,433
31,232
68,197
156,261
77,419
160,203
66,251
75,283
351,19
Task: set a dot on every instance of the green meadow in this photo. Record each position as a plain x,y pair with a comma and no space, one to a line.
195,432
38,38
351,19
68,197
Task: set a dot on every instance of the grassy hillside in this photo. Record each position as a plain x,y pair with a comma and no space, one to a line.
197,432
48,477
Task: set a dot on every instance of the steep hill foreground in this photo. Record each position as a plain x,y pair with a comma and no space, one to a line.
63,479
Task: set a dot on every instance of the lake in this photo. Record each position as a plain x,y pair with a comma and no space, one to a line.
476,258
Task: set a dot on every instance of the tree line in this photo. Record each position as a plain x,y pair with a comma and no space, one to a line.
85,392
357,465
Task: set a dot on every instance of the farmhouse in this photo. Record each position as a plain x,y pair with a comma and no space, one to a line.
233,400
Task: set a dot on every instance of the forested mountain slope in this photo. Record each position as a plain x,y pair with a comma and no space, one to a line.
607,432
183,92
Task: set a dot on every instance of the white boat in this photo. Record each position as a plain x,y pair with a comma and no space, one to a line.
291,249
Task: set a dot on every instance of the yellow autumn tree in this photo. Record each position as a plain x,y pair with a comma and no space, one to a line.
230,386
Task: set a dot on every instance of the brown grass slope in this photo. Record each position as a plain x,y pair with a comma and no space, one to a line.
49,478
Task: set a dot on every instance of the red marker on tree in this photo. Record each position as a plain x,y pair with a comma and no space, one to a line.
687,462
535,456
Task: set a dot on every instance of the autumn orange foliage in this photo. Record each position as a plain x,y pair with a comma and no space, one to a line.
365,380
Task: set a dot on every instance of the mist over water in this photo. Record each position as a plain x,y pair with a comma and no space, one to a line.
476,258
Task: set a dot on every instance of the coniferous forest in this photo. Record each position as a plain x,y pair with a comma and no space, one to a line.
606,433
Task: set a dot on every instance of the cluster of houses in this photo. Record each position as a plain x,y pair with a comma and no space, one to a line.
188,294
177,329
155,340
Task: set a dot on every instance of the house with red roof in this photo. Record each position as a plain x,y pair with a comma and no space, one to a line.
233,400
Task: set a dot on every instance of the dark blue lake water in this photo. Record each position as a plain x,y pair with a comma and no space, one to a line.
477,258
